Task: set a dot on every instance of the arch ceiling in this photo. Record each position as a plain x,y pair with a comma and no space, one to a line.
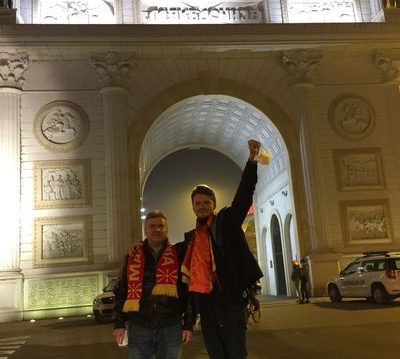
219,122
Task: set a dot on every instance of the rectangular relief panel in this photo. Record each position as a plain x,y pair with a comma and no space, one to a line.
60,184
366,222
359,169
63,240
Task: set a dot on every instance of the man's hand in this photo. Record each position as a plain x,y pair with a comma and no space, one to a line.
254,148
186,336
134,247
118,335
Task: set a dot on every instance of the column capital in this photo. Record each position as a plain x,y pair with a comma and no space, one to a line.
112,68
301,64
12,68
388,63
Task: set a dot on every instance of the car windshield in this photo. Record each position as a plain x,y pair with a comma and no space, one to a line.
110,286
351,268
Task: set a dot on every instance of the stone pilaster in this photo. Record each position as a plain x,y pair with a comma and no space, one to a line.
300,66
113,70
11,81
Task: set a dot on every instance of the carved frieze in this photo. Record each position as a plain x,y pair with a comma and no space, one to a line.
352,116
311,11
388,63
301,64
62,183
61,126
12,68
112,68
61,291
75,11
366,222
62,240
359,169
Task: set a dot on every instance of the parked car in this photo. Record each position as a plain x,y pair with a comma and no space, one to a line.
376,275
103,304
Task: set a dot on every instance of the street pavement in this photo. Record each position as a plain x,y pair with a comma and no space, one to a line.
354,329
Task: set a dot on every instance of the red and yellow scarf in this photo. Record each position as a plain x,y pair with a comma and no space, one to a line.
198,266
166,276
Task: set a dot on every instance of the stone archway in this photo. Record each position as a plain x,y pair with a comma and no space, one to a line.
220,115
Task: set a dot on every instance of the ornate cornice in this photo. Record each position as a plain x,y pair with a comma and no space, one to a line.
112,68
388,63
12,67
301,64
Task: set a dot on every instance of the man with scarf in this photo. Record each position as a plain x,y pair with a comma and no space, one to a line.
151,297
218,265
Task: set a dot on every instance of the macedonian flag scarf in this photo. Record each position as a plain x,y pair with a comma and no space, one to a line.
166,276
198,266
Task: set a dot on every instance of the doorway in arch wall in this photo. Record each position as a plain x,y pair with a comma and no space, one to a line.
277,248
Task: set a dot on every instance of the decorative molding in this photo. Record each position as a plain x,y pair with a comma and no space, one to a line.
61,126
301,64
359,169
366,222
12,68
61,291
63,240
388,63
351,116
61,184
112,68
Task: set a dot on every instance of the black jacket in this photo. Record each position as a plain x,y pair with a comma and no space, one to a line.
236,267
155,311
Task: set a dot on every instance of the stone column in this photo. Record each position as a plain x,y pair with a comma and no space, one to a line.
11,80
300,65
113,70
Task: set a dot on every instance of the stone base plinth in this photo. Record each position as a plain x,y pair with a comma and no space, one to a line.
8,16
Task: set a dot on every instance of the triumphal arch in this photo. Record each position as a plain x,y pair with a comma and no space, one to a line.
93,94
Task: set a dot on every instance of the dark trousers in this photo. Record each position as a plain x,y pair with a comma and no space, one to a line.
224,332
304,290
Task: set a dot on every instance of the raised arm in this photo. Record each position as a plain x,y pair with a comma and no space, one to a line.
244,194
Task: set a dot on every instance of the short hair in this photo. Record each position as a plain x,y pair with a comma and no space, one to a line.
155,214
204,189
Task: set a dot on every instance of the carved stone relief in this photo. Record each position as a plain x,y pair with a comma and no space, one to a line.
62,291
63,240
366,222
352,116
388,63
359,169
75,11
112,68
304,11
301,64
61,126
62,183
12,68
209,12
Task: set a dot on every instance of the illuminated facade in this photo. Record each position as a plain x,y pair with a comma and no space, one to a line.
87,111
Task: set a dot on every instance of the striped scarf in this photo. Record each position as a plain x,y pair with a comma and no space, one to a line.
166,276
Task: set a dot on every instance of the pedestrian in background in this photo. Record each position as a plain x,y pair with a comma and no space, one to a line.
295,277
304,278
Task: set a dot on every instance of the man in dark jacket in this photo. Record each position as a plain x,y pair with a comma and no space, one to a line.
218,265
151,297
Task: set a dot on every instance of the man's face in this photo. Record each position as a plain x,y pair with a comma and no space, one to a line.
203,205
156,230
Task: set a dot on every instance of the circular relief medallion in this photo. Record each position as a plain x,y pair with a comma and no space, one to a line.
61,125
352,116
